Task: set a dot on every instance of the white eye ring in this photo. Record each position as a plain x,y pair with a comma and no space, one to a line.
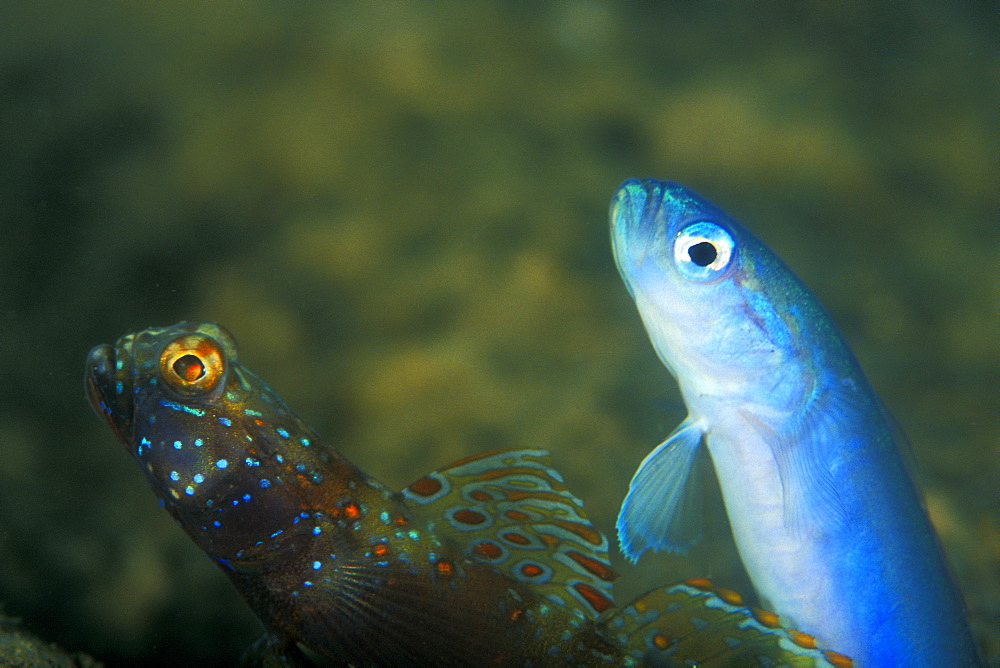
703,250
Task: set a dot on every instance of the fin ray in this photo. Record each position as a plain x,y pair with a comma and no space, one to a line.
805,453
509,509
692,623
663,503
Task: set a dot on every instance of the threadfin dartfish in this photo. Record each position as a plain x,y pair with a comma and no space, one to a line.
489,561
826,516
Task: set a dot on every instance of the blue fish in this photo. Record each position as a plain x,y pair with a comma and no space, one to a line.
827,519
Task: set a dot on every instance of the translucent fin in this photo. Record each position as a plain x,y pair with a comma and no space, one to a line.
805,453
662,508
510,510
395,615
692,623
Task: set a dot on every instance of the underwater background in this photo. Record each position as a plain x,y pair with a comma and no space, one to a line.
400,211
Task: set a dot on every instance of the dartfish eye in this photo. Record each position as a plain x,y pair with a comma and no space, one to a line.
189,368
703,250
192,364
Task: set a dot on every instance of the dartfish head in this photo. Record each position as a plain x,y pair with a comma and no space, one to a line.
215,442
170,395
719,306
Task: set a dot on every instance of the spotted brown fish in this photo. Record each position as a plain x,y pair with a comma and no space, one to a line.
489,560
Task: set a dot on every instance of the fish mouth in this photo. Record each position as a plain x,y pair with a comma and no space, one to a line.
100,377
636,228
105,387
628,210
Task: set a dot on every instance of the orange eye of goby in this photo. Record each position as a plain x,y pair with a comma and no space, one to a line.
192,364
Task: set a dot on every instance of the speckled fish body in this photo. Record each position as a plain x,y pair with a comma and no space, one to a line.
826,517
490,560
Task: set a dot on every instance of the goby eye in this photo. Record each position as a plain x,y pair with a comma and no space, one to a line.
192,364
189,368
703,250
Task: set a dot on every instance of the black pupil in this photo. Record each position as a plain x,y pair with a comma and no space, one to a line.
189,367
702,253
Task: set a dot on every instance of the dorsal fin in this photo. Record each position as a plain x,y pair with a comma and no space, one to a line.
509,509
693,622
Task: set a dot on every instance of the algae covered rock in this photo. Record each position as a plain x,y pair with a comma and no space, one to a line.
20,648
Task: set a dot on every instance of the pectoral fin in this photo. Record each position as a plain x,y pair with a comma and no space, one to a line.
662,507
810,499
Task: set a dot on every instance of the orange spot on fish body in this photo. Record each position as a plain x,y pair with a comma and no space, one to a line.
480,495
661,641
765,617
584,532
531,570
838,659
519,495
516,515
729,596
466,516
352,511
488,550
503,473
593,566
516,538
802,639
444,567
703,584
426,486
598,601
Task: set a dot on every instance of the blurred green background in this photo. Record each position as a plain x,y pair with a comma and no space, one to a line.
400,211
